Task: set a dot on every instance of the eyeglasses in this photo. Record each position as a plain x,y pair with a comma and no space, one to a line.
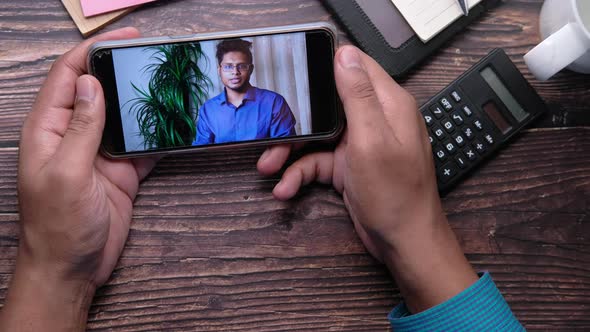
241,67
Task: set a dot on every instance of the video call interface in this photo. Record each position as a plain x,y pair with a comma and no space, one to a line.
213,92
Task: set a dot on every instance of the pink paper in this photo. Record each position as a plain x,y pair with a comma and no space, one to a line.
95,7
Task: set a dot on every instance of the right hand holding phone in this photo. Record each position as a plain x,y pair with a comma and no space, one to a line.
383,163
384,169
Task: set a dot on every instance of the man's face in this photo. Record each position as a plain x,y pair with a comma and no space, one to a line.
235,70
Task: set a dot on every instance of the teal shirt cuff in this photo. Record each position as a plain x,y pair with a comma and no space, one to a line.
480,307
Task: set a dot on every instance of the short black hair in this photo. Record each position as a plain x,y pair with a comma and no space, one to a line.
233,45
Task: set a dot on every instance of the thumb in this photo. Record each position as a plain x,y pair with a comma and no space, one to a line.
361,104
83,136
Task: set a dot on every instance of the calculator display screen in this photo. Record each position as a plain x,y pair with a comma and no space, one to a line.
505,96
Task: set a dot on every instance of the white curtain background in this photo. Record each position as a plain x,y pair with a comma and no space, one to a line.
280,65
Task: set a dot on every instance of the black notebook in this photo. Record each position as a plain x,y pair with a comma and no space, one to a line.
381,31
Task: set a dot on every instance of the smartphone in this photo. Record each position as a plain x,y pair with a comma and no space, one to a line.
218,90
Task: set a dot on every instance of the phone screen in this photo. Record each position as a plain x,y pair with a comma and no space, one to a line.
171,96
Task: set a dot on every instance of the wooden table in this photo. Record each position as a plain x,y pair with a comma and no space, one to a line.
210,249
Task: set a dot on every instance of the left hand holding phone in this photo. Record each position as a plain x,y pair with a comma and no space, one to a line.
75,204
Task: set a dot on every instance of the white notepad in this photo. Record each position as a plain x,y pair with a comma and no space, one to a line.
429,17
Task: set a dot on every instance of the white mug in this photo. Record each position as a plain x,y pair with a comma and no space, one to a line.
565,28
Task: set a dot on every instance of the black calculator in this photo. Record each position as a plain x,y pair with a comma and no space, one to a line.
476,114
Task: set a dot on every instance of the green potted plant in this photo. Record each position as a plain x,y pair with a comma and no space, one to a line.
166,112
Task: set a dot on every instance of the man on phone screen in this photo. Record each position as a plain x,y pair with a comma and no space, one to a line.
241,112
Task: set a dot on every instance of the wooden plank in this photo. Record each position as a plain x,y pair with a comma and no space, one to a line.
180,272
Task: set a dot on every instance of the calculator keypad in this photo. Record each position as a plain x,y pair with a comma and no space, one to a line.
459,135
437,111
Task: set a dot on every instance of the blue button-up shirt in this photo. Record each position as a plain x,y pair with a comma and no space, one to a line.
262,114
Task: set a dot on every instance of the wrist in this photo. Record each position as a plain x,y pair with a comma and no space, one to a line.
40,298
428,264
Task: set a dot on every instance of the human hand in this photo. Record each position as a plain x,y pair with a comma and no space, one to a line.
75,204
383,163
384,169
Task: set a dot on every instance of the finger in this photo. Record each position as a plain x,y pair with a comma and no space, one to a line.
387,89
48,121
273,159
143,166
340,159
361,105
398,105
83,135
120,172
312,167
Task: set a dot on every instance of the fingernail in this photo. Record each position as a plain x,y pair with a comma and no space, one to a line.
85,89
350,58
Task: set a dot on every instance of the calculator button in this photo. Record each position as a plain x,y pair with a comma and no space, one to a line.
449,127
488,139
479,147
429,119
440,154
451,148
437,111
447,172
467,111
477,124
470,153
461,161
457,118
431,139
456,96
468,133
459,140
446,104
438,132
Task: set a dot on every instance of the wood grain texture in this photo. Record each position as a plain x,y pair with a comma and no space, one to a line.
211,250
